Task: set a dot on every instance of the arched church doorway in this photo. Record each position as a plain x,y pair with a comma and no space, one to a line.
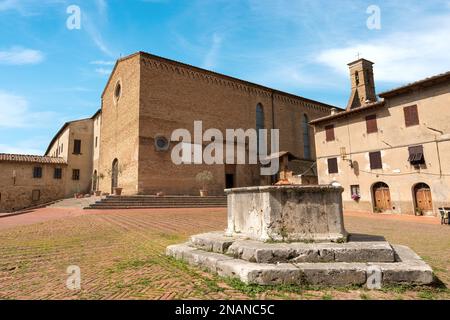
381,197
114,175
422,198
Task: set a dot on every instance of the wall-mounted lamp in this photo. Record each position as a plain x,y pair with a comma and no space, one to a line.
345,158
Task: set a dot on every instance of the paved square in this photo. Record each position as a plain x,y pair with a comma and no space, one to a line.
121,256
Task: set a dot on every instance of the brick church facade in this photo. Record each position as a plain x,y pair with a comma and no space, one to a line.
148,97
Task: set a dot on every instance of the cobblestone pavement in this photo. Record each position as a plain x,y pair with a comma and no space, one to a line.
121,256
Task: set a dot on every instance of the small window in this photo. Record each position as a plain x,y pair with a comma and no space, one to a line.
77,147
36,195
333,166
375,160
117,91
411,116
37,172
329,131
355,191
371,123
416,155
62,148
96,142
357,78
76,174
57,173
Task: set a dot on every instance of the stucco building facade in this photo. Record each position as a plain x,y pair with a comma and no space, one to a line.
390,154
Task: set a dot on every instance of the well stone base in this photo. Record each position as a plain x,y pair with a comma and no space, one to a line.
287,213
328,264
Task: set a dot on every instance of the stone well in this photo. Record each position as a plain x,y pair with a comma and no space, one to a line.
293,234
287,213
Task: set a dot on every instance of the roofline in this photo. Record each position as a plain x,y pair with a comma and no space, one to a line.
35,156
248,83
96,113
361,59
347,113
61,130
424,82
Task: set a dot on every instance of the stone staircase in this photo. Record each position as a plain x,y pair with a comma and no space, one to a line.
149,202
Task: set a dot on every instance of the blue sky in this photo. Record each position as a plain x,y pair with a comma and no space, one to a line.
50,74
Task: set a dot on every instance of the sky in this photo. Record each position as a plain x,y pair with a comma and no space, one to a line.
51,73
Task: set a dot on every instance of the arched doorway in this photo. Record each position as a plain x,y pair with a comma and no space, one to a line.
381,197
114,175
423,201
95,181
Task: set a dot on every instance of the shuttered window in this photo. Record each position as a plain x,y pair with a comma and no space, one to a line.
375,160
77,146
75,174
37,172
371,123
57,173
329,130
416,155
333,166
411,116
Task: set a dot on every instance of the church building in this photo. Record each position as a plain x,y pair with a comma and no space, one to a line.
147,97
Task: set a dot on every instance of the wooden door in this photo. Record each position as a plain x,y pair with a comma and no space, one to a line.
423,199
383,198
114,175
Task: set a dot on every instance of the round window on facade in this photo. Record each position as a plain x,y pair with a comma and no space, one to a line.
161,143
117,91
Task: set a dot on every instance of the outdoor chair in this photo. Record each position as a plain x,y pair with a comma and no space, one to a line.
444,215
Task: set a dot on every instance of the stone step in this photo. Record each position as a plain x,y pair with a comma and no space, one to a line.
409,270
150,202
108,207
160,202
260,252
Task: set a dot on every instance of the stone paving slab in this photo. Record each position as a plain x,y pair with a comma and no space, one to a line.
410,269
261,252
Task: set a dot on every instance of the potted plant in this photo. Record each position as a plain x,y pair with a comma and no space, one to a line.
118,191
356,197
204,179
77,194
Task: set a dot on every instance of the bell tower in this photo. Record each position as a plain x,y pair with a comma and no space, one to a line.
362,82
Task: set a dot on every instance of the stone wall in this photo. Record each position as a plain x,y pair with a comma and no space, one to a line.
16,194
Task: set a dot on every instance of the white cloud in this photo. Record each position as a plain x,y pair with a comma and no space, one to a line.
103,63
399,57
210,60
8,5
15,113
103,71
20,56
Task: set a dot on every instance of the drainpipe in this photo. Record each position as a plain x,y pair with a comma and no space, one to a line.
439,156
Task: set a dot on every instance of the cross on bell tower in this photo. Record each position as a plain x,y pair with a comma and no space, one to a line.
362,83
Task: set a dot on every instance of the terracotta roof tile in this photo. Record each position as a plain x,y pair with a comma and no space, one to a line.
31,158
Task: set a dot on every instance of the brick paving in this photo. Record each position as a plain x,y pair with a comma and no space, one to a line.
121,256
